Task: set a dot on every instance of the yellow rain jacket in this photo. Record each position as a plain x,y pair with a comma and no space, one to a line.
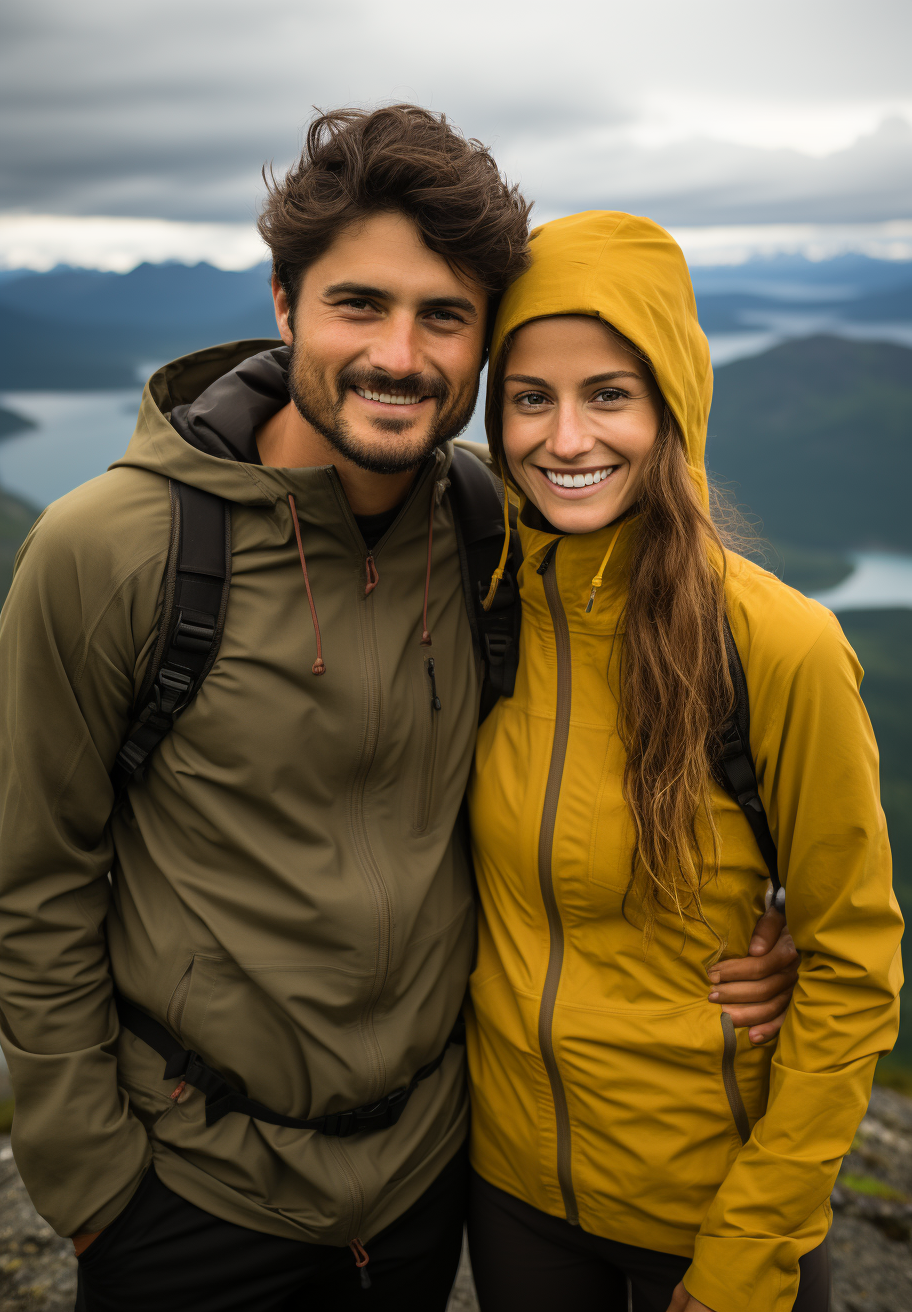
606,1088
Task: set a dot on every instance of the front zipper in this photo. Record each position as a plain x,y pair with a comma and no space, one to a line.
362,842
546,881
730,1079
426,791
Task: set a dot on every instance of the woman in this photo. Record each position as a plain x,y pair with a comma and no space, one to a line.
613,872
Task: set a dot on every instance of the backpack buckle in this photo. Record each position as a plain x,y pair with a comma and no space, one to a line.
194,631
497,646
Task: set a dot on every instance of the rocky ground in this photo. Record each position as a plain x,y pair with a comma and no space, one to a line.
870,1244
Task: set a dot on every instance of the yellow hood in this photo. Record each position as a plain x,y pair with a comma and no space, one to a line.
629,272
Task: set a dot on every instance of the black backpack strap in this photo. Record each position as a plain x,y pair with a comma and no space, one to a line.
222,1097
197,581
734,770
478,511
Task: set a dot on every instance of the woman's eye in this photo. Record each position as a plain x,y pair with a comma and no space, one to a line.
610,394
532,398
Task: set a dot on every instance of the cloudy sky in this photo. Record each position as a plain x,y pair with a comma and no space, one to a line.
706,112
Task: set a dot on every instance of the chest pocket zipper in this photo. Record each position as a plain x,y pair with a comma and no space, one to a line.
426,791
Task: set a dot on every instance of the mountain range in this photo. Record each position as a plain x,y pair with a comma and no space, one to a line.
82,329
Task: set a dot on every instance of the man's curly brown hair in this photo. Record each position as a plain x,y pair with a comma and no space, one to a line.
405,159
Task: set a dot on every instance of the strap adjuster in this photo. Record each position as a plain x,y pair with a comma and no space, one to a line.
194,631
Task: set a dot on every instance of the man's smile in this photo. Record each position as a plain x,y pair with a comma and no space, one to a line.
390,398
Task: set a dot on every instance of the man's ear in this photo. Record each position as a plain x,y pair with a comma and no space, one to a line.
282,311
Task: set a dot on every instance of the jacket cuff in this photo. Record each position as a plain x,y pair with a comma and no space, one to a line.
744,1275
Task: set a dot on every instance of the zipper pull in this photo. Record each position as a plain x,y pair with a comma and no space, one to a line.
548,557
435,700
373,578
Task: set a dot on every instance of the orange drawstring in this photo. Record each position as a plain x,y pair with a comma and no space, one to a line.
318,666
425,631
373,578
361,1261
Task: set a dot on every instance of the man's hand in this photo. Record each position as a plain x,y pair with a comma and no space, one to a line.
756,990
681,1301
81,1242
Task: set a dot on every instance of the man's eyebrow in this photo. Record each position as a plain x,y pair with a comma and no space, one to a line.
379,294
356,289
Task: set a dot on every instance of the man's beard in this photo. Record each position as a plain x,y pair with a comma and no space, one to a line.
315,403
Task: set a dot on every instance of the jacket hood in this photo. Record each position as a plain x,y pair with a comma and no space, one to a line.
631,273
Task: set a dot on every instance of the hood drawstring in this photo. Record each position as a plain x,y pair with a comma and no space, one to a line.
361,1261
425,631
499,572
318,666
597,581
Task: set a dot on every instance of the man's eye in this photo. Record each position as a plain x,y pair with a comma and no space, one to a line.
445,316
357,303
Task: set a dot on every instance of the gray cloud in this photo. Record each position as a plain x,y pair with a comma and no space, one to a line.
170,109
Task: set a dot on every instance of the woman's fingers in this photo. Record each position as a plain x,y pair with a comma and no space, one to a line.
757,1014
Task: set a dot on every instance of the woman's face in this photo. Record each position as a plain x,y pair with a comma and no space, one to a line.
580,417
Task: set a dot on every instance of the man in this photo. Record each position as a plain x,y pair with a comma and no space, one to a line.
289,896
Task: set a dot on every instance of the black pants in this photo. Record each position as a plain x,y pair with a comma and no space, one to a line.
527,1261
163,1254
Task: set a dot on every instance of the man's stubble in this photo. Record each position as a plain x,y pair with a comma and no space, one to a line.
318,406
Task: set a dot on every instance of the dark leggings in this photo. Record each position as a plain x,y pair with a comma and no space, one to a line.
524,1260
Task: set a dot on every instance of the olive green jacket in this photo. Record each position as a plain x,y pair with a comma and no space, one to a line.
286,891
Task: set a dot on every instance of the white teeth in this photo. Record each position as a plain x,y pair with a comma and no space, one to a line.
577,480
387,397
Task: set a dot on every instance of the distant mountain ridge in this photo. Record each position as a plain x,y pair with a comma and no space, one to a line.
87,329
815,437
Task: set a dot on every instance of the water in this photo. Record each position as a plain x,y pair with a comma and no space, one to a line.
880,580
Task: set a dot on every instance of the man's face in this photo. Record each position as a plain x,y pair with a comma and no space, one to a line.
387,346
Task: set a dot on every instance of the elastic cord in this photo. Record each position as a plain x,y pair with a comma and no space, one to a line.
318,666
597,581
499,572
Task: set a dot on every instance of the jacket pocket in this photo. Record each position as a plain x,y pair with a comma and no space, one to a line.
429,763
179,999
730,1079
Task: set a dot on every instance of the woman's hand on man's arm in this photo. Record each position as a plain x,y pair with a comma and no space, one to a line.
756,990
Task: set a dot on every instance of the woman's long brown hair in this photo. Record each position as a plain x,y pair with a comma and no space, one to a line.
675,688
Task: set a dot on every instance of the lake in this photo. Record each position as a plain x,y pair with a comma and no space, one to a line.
80,433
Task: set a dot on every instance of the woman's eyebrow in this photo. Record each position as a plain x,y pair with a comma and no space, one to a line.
607,378
532,381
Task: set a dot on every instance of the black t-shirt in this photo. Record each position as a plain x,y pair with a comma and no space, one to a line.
373,527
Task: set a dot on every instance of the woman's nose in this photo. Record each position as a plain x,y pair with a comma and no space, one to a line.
570,437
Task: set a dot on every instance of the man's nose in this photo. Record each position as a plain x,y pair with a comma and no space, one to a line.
395,349
569,438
